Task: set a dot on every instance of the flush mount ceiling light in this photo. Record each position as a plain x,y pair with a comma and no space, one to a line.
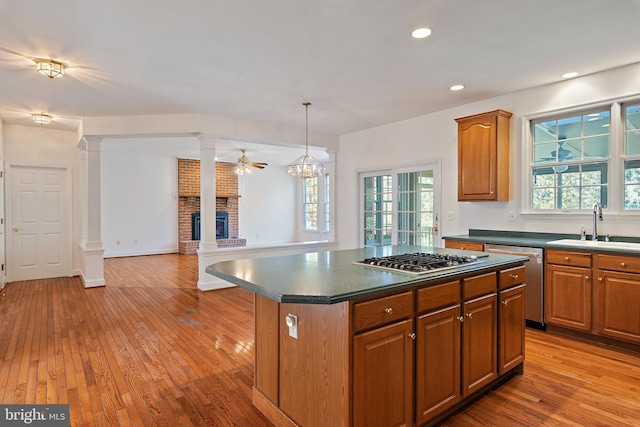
50,68
306,166
456,87
421,33
41,119
570,75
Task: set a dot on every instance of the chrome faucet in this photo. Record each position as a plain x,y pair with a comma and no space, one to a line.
597,211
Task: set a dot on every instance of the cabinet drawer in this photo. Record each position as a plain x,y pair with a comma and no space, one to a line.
574,259
438,296
465,246
479,285
619,263
511,277
382,310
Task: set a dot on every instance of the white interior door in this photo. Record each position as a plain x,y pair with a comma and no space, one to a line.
39,224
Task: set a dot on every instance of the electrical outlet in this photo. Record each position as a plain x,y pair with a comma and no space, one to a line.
451,215
292,322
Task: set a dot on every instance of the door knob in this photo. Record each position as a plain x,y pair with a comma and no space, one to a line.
16,228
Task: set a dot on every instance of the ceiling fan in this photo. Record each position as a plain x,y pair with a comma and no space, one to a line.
244,165
561,154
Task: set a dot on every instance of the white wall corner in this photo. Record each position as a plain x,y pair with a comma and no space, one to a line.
92,269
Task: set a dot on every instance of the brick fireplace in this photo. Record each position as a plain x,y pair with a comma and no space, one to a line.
189,202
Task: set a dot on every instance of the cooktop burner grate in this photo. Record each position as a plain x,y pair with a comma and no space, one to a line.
419,262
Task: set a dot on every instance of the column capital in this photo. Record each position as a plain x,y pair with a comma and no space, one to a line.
207,140
90,143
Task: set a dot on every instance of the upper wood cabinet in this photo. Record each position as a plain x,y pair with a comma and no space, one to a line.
483,156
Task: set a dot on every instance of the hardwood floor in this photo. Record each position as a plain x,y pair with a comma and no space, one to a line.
150,349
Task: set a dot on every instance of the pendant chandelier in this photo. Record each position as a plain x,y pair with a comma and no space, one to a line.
306,166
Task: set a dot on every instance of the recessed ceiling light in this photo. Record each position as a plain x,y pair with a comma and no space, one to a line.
570,75
421,33
456,87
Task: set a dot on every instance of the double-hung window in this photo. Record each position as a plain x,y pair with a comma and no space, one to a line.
571,161
316,204
631,156
589,156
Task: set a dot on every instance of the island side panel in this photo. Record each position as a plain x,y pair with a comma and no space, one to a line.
266,347
314,368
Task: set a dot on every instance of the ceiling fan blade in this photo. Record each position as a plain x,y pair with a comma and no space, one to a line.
258,165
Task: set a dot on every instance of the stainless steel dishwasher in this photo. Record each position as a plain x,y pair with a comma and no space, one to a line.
534,300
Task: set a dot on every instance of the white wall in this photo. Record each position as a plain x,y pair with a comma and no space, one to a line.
434,136
40,146
139,203
267,206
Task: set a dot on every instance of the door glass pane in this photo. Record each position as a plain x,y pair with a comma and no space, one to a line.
415,208
377,210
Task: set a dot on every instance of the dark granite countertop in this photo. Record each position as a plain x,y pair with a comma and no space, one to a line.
331,277
538,240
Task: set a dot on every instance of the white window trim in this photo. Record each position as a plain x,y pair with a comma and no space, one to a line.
615,160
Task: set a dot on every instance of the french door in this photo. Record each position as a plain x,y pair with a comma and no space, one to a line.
400,206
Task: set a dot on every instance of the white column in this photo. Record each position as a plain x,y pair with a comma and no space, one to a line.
208,252
207,193
92,252
331,170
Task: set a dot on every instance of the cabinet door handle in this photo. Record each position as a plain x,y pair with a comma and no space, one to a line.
599,279
412,335
461,319
505,303
388,310
469,315
586,277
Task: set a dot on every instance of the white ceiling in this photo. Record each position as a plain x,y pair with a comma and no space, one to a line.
259,60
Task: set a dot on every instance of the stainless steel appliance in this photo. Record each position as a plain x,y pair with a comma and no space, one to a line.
419,262
534,302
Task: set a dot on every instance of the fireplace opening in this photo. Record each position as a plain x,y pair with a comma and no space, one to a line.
222,225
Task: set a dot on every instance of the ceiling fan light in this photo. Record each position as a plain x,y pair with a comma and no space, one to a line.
50,68
242,169
41,119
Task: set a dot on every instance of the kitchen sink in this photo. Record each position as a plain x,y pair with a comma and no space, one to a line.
624,246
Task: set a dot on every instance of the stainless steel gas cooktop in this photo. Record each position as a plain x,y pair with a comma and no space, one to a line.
419,262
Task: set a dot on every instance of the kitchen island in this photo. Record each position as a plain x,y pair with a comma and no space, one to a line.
343,344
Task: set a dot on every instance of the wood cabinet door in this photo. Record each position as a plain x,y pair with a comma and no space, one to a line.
477,159
511,328
479,343
568,297
383,376
437,362
618,305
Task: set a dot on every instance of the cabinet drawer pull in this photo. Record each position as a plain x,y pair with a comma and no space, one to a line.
412,335
622,264
469,315
388,310
514,277
566,259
